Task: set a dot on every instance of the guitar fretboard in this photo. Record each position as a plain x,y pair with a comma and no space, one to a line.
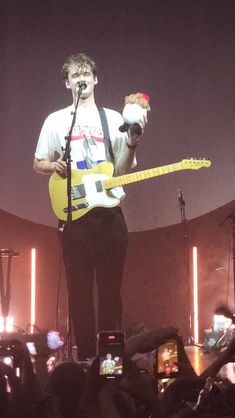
142,175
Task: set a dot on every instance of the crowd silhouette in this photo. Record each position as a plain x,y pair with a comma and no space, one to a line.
72,391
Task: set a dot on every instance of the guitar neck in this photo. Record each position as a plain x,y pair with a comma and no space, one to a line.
142,175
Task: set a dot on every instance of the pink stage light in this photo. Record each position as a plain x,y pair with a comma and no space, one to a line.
6,324
33,291
195,296
9,325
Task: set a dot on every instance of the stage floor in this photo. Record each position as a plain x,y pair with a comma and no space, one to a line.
201,361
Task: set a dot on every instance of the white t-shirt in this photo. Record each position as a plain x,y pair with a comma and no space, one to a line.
87,139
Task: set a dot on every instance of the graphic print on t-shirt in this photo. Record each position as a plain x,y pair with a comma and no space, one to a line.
87,146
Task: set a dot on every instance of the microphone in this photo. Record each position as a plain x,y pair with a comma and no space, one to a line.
81,85
180,196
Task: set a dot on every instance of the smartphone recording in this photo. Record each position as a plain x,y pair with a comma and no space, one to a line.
167,360
111,352
7,355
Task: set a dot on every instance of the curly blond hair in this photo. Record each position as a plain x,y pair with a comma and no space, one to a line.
79,60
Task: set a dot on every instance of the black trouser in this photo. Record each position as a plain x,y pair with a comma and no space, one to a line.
94,248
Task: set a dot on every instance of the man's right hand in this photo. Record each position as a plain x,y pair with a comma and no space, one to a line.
60,167
45,166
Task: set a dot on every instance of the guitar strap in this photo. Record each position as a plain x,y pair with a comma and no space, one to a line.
105,127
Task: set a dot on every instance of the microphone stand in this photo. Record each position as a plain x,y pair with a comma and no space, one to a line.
231,219
67,159
5,284
184,221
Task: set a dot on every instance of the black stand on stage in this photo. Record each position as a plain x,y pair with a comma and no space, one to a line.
189,340
5,285
67,158
231,219
226,335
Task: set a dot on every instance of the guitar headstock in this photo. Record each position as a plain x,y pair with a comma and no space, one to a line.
196,163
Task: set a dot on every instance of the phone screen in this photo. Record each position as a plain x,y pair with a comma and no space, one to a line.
167,359
163,384
32,348
111,351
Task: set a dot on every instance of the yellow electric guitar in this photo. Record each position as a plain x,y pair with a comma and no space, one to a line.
89,188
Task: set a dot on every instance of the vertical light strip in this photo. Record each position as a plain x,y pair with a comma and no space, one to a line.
2,327
195,294
33,290
9,325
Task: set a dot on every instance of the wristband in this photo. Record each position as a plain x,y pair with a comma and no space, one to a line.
131,146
